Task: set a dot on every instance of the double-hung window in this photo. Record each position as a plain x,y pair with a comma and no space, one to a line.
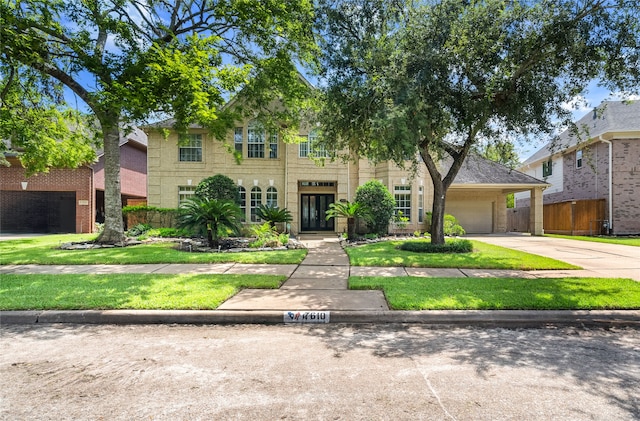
420,204
273,146
579,159
185,193
242,195
310,147
255,140
256,200
190,148
402,194
547,168
238,140
272,197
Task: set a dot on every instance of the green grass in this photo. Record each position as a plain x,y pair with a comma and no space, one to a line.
45,251
625,241
125,291
413,293
484,256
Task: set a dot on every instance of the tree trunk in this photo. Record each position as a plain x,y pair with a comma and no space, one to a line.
351,228
113,232
437,213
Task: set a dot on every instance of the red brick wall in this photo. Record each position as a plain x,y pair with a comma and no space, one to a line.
78,180
133,172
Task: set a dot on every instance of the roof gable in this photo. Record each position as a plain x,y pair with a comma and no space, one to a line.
608,117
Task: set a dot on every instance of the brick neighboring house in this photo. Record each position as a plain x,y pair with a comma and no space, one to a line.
67,200
274,172
602,165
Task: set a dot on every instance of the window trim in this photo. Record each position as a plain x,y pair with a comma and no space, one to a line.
547,168
188,145
403,190
579,158
255,140
184,192
254,202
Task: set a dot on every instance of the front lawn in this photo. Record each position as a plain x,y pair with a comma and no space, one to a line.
46,250
414,293
126,291
625,241
484,256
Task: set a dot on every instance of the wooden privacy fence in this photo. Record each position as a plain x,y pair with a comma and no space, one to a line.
577,217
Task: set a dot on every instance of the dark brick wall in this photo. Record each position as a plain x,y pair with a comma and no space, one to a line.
133,172
79,181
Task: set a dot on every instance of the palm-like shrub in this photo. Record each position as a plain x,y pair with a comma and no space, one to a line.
273,214
211,216
349,210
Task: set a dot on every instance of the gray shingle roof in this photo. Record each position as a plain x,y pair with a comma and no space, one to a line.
477,170
611,116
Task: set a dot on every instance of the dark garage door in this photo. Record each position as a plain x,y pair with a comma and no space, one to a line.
38,212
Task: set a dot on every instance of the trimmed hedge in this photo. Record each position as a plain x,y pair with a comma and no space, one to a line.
451,246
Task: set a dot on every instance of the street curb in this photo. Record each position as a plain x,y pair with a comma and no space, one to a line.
481,318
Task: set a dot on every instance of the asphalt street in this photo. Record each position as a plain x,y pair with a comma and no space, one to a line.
317,372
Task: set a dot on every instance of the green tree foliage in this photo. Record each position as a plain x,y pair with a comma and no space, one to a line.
130,61
211,216
379,205
38,128
218,187
433,79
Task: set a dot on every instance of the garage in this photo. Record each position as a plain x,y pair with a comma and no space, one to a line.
476,217
37,212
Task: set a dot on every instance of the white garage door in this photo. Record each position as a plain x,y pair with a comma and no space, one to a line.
476,217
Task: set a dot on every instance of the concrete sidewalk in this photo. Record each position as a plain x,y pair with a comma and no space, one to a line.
320,284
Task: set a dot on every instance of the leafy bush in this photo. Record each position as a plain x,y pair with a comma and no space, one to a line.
266,236
218,187
379,205
451,228
451,246
138,230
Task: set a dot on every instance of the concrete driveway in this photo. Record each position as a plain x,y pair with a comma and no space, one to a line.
610,260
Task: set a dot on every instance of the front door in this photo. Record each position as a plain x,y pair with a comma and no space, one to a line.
313,212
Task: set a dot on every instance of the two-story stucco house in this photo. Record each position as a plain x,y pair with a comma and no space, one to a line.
602,163
283,174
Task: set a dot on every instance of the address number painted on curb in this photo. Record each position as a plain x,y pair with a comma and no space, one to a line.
306,316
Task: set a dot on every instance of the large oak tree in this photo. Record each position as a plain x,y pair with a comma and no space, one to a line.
129,61
432,79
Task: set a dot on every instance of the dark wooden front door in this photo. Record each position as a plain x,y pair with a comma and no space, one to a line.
313,210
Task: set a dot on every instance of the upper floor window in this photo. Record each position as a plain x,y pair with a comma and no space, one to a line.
190,148
273,146
579,159
547,168
255,140
310,148
402,194
237,140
